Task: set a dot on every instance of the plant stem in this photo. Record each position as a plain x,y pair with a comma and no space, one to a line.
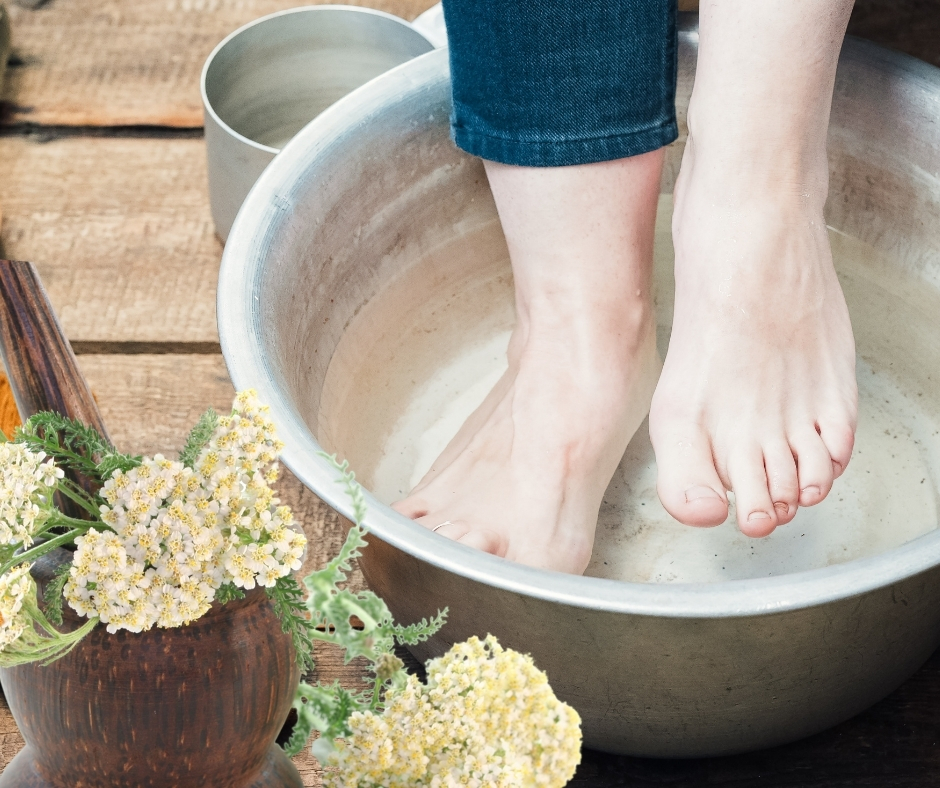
367,620
79,498
375,693
316,634
33,553
61,519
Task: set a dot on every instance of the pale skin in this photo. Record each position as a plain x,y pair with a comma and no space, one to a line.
757,393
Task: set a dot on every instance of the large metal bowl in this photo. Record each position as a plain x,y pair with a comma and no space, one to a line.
671,670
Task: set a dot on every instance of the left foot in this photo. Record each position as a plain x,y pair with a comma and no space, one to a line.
758,391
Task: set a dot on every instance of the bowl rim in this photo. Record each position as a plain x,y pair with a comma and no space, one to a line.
207,105
240,333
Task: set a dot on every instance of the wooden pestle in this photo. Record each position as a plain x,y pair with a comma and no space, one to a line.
41,367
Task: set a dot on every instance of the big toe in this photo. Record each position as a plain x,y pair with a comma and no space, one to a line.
412,507
838,436
688,484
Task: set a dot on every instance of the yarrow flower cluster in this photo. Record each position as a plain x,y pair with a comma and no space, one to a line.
27,482
486,717
15,585
180,533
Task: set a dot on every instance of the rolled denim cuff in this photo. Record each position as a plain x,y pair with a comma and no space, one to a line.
555,152
549,83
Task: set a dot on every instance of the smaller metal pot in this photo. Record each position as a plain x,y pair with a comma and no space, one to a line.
268,79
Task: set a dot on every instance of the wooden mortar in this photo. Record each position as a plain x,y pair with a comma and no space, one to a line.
200,705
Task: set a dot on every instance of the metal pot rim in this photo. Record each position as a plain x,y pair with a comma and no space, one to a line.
241,339
207,105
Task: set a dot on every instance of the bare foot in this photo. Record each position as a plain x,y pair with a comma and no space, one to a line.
758,391
525,475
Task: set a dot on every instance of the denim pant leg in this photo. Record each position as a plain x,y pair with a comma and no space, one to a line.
547,83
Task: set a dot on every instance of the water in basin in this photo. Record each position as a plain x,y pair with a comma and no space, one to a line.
422,354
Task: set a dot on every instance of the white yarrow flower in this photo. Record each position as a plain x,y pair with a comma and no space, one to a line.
27,483
181,533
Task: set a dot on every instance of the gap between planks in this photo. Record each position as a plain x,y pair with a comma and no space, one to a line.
39,132
121,233
86,348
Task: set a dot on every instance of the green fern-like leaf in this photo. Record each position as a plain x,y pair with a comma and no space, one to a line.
413,634
333,608
353,488
287,599
228,592
73,445
325,709
198,437
53,594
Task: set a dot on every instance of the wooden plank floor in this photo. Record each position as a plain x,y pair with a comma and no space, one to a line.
102,185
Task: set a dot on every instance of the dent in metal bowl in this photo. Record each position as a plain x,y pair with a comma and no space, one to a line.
373,187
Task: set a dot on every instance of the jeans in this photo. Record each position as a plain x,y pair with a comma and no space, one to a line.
548,83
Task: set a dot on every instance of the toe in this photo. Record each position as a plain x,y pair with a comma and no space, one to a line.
485,539
782,480
756,513
439,524
813,466
688,484
412,507
838,436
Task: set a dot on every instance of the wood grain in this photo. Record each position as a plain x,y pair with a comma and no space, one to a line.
120,232
330,668
41,368
137,62
127,62
194,705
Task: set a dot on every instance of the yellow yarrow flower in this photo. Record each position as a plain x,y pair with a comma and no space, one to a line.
486,717
184,532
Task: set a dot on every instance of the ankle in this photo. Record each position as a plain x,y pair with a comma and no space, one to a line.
747,185
767,162
613,326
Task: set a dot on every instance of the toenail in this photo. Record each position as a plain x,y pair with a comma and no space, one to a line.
754,517
698,493
810,492
782,508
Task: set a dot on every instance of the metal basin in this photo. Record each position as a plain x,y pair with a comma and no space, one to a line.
374,190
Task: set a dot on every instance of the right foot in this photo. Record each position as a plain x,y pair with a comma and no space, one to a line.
525,476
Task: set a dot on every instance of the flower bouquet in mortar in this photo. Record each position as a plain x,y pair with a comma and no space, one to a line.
175,544
151,630
161,539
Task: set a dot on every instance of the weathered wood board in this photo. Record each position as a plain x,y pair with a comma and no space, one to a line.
120,232
127,62
136,62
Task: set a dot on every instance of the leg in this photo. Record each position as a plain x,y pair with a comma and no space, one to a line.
758,391
575,102
525,476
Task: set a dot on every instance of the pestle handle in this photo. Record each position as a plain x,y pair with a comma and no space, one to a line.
39,361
